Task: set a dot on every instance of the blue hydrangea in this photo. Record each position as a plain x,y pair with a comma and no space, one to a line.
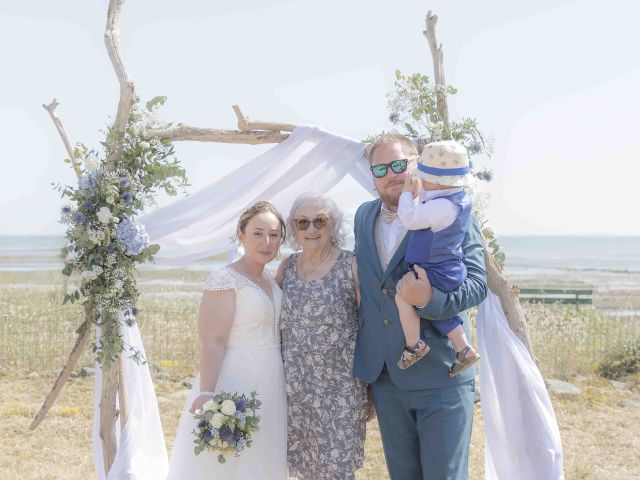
240,444
89,181
127,196
133,235
88,204
79,218
241,417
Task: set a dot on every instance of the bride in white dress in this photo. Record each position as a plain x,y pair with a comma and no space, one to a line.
240,352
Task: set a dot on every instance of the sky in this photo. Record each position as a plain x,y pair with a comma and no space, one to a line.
553,83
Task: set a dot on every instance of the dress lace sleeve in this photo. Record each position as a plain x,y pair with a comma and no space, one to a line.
220,280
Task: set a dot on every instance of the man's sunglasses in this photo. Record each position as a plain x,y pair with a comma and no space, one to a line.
398,166
303,223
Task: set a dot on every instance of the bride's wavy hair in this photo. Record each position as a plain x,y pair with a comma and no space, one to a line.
257,209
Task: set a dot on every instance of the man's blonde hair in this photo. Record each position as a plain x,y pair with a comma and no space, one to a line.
406,145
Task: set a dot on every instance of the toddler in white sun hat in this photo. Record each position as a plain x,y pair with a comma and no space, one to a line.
437,221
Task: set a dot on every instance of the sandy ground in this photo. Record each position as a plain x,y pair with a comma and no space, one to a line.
600,434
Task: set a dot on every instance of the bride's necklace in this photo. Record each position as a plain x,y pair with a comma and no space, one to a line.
307,273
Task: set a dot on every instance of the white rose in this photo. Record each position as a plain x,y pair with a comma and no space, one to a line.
228,407
211,405
104,215
110,200
217,420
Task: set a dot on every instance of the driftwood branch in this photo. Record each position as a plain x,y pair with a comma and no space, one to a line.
112,42
245,123
108,413
51,108
249,131
79,346
183,132
438,66
509,301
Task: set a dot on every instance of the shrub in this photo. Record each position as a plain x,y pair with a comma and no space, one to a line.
624,360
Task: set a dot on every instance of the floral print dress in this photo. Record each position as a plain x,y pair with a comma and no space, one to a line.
327,405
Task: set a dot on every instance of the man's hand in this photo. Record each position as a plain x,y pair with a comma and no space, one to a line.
415,291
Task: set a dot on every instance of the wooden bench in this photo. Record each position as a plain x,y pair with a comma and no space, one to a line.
572,296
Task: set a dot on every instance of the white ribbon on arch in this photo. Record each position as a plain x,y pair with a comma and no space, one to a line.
314,160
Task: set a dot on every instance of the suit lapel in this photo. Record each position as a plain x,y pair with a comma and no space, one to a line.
369,230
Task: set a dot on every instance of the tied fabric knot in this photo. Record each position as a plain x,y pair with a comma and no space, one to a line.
387,215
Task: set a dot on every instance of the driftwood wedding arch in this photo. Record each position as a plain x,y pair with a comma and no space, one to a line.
248,132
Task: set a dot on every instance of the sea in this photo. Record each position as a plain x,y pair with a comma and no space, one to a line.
602,262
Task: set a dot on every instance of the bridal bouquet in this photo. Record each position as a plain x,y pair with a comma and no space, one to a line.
226,424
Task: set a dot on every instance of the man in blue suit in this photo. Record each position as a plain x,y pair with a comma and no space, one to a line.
425,416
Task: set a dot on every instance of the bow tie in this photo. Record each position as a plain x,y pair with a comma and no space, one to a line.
387,215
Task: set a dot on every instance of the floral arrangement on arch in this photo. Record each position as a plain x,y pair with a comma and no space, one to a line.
105,242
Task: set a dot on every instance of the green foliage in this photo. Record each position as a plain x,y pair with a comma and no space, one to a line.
105,242
624,360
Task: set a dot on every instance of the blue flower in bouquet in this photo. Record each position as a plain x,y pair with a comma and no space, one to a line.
241,417
79,217
240,444
207,435
124,182
133,235
241,405
127,196
237,434
66,210
226,435
88,204
89,181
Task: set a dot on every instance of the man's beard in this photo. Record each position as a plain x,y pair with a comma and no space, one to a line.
390,200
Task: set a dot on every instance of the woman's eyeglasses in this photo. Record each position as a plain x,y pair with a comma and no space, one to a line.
318,222
398,166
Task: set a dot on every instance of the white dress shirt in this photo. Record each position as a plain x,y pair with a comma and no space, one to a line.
392,234
428,212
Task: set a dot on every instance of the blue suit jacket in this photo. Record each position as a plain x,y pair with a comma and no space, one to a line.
380,337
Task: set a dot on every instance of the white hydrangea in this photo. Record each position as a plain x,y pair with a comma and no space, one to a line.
228,407
91,163
217,420
104,215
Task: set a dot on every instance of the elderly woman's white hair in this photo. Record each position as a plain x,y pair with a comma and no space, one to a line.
338,235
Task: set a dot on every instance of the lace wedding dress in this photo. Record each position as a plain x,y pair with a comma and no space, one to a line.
252,362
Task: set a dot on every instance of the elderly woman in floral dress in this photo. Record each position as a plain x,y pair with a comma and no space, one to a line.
327,405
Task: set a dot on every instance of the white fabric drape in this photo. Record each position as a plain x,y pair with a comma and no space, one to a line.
141,454
522,439
200,225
